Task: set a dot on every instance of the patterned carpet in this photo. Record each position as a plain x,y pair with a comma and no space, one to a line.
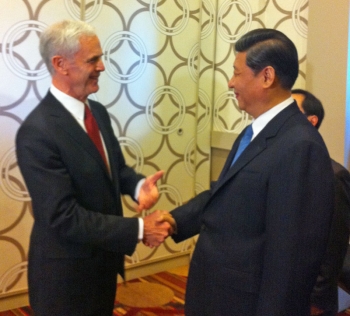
166,297
159,284
166,291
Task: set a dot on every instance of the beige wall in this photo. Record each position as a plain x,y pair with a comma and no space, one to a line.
326,71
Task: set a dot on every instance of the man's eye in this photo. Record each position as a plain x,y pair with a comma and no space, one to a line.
93,60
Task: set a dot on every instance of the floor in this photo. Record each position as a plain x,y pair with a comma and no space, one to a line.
180,270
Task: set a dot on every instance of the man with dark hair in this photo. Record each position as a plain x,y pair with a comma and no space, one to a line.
310,106
263,226
324,297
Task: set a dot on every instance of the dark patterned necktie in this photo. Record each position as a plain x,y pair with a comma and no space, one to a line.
245,140
94,132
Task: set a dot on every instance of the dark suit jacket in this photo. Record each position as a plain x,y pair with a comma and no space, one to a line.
325,292
263,226
79,237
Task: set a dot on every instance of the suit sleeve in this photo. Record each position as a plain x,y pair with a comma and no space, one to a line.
342,194
327,278
188,217
299,207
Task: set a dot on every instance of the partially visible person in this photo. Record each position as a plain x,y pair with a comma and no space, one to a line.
263,226
344,277
324,297
75,172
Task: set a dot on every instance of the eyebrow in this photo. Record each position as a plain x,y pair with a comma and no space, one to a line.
94,57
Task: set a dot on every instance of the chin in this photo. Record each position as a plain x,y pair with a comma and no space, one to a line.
241,107
94,89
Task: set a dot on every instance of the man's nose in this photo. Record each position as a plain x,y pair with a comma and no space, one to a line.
100,65
231,83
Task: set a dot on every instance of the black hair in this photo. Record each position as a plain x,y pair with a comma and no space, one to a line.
269,47
311,105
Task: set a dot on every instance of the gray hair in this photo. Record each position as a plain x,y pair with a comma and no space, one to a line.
63,38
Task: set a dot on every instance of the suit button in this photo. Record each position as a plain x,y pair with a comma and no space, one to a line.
203,227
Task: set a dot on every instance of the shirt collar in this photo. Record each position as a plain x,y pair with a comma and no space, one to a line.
74,106
260,122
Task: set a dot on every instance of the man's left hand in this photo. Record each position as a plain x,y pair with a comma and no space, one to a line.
149,194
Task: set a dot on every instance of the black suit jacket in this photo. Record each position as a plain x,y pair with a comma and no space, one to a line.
325,292
79,236
263,226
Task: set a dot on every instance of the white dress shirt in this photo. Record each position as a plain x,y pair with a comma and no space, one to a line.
76,108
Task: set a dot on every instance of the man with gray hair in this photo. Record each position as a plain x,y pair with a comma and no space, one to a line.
75,172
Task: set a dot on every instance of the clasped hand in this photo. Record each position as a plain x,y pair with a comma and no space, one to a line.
159,224
157,227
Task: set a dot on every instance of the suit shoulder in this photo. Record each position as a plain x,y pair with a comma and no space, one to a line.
41,107
337,166
340,171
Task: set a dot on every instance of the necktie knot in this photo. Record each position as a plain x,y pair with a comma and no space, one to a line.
245,140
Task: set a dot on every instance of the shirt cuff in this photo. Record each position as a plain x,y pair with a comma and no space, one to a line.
138,188
140,236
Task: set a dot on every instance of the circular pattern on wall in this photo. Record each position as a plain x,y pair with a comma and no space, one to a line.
173,193
192,63
177,116
243,27
180,26
299,22
10,184
14,273
209,23
133,150
137,58
204,111
221,119
72,8
92,9
14,60
189,157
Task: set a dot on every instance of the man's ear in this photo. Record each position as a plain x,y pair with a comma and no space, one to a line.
59,63
313,119
269,76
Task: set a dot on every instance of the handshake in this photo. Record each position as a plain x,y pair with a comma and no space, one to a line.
159,224
157,227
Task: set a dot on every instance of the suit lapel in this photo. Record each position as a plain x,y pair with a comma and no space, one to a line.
69,124
257,145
